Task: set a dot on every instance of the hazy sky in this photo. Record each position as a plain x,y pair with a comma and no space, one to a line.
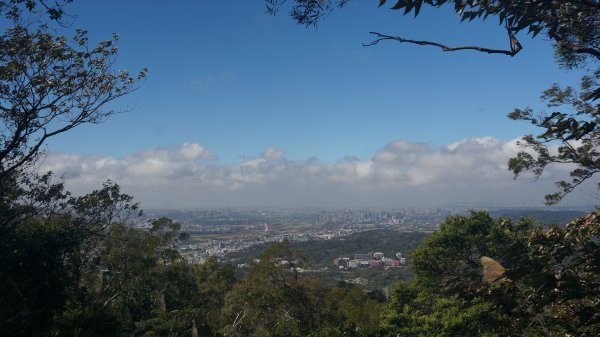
245,109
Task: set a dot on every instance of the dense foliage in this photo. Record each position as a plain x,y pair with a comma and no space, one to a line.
60,279
571,135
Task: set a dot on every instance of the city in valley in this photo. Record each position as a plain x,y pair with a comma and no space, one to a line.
224,232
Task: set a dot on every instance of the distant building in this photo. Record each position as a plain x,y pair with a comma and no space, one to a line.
359,280
341,262
392,263
375,263
371,260
362,257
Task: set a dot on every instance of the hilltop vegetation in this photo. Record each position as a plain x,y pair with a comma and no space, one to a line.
321,253
475,276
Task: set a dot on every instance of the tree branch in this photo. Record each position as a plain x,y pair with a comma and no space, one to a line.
112,298
590,51
514,43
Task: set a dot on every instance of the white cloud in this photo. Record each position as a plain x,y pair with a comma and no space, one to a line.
400,173
272,154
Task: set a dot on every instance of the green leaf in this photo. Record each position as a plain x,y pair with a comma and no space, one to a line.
399,4
418,4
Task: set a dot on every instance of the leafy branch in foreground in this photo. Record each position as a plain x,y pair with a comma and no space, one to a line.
50,85
572,26
568,138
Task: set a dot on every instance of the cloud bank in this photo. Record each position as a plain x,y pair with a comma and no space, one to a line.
401,173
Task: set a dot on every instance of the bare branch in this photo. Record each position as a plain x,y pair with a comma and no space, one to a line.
514,43
112,298
239,319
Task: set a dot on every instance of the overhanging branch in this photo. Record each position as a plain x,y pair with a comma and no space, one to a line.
590,51
515,46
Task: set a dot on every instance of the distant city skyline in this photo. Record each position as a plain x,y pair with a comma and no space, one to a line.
245,109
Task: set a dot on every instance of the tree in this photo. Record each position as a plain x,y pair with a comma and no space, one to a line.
50,240
349,311
214,280
453,268
449,259
558,285
273,299
194,296
48,255
417,311
573,27
518,278
50,84
571,135
128,280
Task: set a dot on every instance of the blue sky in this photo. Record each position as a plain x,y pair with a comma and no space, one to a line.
235,81
228,76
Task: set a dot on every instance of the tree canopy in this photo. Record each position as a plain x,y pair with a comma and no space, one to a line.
49,83
572,26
